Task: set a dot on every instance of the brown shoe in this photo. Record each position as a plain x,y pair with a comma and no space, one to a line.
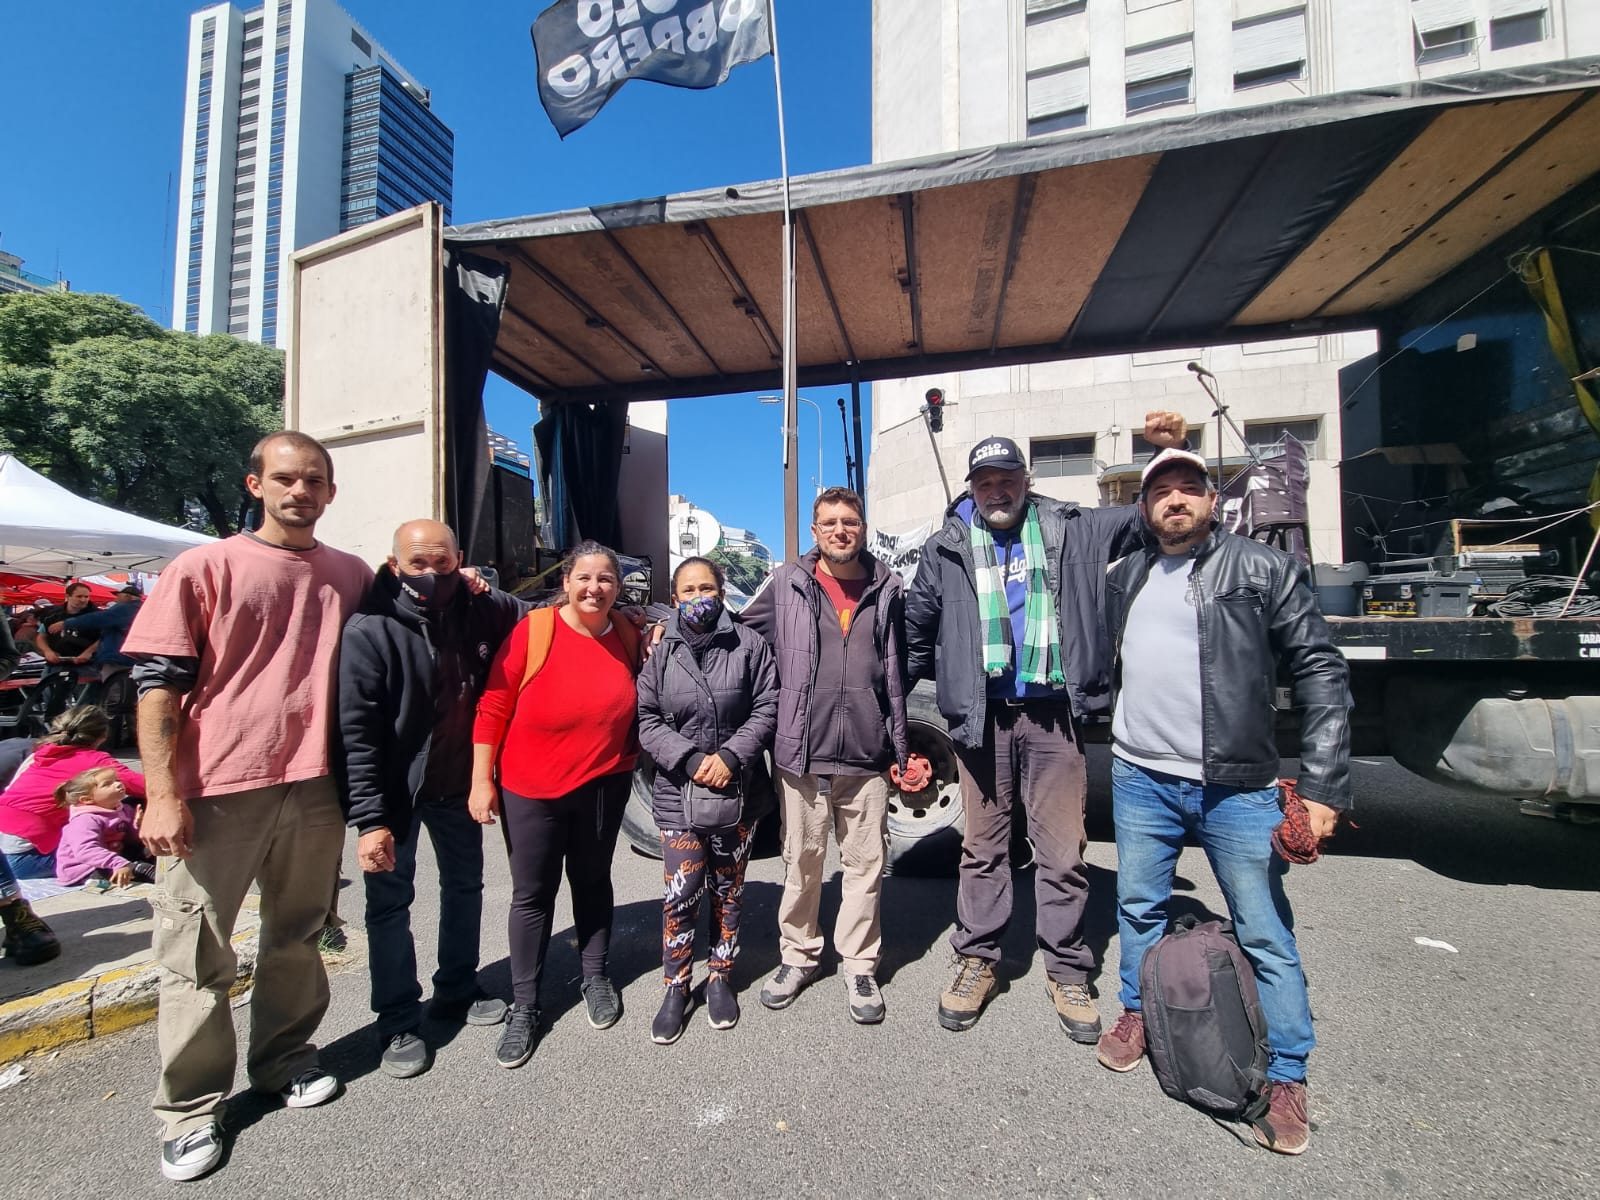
1075,1009
963,1001
1286,1128
1122,1046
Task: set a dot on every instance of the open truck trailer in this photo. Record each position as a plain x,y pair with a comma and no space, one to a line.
1416,210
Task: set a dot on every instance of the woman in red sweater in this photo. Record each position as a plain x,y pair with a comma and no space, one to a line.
564,743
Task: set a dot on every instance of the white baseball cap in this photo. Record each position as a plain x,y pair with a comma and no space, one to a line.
1173,457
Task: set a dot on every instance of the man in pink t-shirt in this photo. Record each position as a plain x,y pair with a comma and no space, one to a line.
236,652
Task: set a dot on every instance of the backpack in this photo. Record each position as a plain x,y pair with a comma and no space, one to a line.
1203,1025
542,633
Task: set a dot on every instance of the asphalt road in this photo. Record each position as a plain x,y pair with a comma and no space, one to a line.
1437,1073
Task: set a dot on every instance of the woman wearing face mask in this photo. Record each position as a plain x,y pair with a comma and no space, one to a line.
556,723
708,709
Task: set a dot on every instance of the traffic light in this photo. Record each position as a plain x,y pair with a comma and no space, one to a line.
935,409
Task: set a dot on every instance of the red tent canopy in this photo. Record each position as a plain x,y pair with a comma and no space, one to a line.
25,589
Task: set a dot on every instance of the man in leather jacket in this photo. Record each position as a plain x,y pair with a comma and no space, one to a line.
1202,622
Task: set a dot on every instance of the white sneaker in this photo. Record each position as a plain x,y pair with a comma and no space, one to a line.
192,1154
309,1089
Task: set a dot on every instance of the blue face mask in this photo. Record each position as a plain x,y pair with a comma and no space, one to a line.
701,612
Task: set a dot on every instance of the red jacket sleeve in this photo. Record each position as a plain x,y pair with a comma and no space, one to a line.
499,697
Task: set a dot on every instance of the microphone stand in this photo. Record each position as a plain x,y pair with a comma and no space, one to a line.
1205,378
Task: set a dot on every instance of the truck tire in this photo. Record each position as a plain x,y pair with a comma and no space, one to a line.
639,826
925,827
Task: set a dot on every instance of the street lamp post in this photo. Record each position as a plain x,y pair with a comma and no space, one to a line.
818,410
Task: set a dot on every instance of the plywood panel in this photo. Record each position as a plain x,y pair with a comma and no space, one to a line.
1561,160
685,272
1078,213
591,267
755,246
962,234
1455,149
863,251
527,345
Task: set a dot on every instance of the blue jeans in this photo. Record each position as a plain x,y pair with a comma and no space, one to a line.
8,881
391,951
1153,812
30,864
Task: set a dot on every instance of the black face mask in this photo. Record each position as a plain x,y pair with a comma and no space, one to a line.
430,591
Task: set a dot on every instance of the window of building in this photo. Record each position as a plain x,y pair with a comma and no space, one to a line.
1267,437
1160,75
1439,45
1269,50
361,43
1058,99
1039,8
1053,458
1518,29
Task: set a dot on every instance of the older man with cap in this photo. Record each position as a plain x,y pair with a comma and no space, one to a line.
1203,622
1007,600
412,664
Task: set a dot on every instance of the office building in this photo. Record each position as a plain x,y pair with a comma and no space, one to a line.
957,74
14,279
297,126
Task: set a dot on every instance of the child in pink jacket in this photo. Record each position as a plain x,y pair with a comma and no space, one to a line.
31,821
101,837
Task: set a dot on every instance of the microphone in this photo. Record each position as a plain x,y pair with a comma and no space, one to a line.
1201,371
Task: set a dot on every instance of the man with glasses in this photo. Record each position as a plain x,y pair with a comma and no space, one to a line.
835,622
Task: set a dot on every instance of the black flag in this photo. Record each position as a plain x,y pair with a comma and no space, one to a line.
587,49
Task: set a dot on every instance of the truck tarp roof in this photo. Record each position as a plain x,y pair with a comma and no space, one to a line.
1287,219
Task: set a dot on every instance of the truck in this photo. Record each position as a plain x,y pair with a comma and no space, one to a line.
1459,218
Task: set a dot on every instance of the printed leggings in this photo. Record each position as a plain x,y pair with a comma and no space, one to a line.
691,859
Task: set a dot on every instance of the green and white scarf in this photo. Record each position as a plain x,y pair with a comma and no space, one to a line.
1040,659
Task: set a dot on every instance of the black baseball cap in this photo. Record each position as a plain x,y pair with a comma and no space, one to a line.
999,452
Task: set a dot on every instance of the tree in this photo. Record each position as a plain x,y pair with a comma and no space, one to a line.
745,573
111,405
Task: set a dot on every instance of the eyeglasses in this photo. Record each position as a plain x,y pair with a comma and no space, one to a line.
850,523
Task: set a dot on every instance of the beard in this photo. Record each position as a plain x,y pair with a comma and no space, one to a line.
1178,528
296,518
840,556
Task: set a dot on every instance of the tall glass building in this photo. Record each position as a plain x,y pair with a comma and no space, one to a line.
297,126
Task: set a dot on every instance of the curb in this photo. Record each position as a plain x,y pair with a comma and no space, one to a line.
81,1009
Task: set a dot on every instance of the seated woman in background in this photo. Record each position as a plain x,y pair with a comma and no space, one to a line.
101,839
708,709
556,725
31,820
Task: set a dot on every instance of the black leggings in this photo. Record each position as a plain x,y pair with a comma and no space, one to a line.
580,829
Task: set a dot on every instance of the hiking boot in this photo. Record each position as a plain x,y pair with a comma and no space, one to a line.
405,1055
519,1036
786,984
722,1006
191,1155
604,1005
866,1001
673,1017
963,1001
1075,1010
1122,1046
309,1089
472,1009
29,941
1286,1129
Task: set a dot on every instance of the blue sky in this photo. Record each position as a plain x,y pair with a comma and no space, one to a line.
92,134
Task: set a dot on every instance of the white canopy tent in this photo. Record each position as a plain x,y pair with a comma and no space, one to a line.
47,530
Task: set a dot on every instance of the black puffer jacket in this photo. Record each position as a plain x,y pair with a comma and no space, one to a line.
393,663
1256,615
943,641
727,701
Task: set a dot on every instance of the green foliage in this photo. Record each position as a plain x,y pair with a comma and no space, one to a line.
109,404
744,572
